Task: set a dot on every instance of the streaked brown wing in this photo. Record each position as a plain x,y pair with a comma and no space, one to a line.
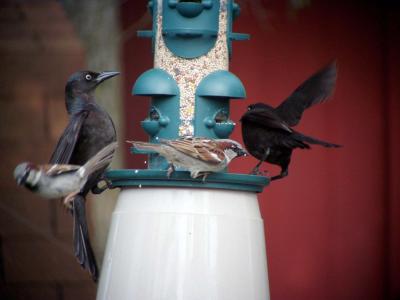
56,169
202,149
209,151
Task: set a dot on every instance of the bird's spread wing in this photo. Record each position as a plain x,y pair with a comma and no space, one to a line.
66,143
265,118
314,90
56,169
202,149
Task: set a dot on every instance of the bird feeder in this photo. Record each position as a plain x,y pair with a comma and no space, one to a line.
179,237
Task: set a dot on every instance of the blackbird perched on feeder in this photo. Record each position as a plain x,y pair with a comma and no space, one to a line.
267,132
56,181
199,155
90,128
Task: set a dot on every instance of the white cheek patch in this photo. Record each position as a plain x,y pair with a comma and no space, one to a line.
33,177
230,154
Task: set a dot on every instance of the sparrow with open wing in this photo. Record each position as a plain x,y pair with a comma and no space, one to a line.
198,155
267,132
59,181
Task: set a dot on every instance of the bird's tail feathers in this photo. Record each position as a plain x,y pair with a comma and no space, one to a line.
82,248
100,160
143,146
311,140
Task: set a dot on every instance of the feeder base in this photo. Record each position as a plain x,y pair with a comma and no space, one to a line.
185,244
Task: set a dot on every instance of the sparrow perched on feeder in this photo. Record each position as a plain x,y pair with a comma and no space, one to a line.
267,132
90,128
57,181
198,155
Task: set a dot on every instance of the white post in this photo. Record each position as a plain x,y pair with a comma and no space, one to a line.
185,244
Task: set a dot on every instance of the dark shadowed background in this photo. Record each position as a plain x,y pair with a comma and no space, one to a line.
332,227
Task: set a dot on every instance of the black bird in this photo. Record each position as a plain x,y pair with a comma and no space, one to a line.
89,130
267,132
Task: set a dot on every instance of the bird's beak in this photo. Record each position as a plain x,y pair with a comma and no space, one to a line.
106,75
19,180
243,153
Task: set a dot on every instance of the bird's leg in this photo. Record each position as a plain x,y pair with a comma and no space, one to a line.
69,199
256,169
170,170
198,174
284,173
205,174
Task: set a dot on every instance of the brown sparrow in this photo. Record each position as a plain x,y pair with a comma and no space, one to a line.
199,156
58,180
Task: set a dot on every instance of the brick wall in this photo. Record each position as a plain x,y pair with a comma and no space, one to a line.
38,51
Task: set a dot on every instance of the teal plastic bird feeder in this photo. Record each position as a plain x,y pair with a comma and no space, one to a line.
190,86
179,237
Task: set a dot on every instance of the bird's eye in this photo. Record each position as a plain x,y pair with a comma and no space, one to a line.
88,77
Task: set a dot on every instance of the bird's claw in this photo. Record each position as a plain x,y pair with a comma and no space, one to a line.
99,189
204,177
257,172
170,170
254,171
69,199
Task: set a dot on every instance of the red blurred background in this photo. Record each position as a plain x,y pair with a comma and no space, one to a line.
332,226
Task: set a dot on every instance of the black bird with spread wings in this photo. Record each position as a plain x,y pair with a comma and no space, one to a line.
89,130
267,132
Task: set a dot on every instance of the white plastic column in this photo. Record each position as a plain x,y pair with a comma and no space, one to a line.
185,244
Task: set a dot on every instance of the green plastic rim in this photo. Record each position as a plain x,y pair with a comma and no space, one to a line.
138,178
